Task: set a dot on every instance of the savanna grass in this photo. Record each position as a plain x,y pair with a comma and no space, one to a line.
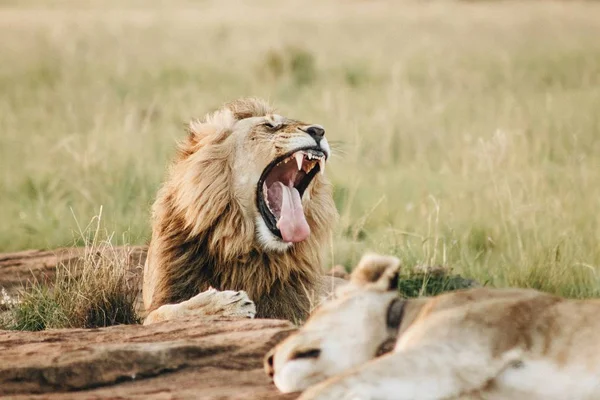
97,290
465,134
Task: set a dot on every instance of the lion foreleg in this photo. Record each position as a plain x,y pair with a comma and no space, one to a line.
210,303
429,372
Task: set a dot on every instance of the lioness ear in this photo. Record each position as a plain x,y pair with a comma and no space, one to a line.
377,271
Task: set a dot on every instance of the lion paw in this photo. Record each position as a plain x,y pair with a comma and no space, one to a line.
226,303
210,303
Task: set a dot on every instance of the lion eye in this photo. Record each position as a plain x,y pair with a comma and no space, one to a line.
272,125
310,353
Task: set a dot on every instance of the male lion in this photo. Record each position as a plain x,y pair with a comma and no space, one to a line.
246,207
473,344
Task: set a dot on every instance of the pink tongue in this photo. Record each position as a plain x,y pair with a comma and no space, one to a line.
292,223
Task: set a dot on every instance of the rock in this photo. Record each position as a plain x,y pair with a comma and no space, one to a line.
196,359
16,269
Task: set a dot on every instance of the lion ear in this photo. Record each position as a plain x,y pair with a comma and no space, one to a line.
377,272
199,129
220,122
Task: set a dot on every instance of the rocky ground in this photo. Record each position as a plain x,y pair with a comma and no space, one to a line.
16,269
218,359
194,359
175,360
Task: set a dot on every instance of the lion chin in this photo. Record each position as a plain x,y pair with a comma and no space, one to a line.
246,206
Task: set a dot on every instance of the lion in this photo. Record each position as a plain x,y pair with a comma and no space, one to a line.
474,344
240,226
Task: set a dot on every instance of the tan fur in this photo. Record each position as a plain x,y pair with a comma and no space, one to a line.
210,303
204,232
478,344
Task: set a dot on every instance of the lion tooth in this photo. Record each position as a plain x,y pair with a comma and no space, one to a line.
322,166
299,159
308,166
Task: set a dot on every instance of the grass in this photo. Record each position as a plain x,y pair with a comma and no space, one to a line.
94,292
467,133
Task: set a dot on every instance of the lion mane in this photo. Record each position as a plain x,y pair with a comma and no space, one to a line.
204,235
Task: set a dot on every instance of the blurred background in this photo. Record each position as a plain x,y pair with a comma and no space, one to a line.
466,134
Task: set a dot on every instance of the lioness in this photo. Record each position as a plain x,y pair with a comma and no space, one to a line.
473,344
243,217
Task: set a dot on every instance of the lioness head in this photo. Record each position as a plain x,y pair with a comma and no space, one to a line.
360,313
276,163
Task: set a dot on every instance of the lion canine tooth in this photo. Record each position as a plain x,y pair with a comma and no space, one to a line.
322,166
299,159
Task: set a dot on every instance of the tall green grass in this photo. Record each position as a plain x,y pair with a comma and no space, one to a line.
466,134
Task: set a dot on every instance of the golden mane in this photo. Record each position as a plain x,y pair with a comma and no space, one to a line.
203,237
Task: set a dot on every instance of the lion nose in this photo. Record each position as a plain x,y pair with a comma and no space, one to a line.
315,131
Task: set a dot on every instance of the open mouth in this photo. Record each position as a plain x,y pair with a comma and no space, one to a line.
280,189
